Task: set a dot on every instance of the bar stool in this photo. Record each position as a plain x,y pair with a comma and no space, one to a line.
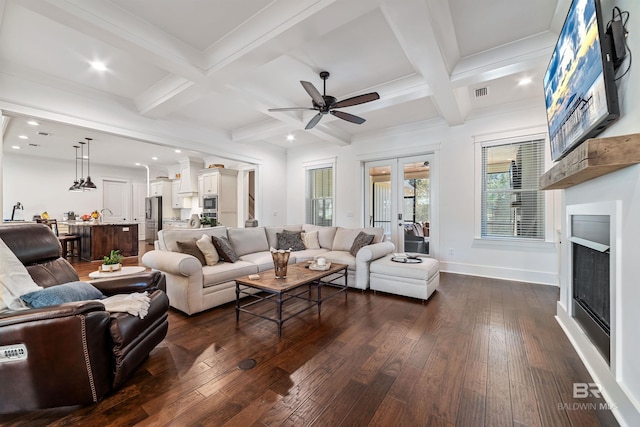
70,242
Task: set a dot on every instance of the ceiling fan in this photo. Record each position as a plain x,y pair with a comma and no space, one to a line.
326,104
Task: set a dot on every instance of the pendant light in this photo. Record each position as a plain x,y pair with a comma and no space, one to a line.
76,183
88,184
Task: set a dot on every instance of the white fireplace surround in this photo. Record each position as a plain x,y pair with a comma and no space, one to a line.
608,375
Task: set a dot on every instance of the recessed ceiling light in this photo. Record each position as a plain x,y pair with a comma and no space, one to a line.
177,150
23,137
15,147
98,65
524,81
33,123
154,158
290,137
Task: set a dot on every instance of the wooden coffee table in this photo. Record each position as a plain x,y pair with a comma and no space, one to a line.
279,291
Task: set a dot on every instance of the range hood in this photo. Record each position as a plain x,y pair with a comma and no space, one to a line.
189,176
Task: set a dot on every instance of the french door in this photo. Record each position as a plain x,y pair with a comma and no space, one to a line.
398,198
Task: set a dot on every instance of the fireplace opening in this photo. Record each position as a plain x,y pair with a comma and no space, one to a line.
590,237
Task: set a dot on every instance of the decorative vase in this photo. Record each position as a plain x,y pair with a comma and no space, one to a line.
280,262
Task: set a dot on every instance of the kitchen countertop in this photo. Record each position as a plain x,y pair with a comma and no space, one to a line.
92,224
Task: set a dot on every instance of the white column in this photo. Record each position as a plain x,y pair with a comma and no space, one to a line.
2,125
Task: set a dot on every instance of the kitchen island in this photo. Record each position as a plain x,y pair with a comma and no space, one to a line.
98,240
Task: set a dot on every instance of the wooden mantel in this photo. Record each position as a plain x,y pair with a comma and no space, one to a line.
593,158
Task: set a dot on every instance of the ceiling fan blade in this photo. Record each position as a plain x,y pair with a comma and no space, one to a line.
291,109
348,117
314,121
313,92
360,99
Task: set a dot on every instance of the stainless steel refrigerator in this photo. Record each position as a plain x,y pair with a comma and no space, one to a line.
153,218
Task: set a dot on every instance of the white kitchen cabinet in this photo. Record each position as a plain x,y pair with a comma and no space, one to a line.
163,188
224,183
178,201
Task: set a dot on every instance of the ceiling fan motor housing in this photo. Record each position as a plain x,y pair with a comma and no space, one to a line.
329,102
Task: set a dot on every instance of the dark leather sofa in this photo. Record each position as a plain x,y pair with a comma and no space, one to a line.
77,352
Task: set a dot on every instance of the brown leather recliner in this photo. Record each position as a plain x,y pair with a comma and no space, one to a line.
77,352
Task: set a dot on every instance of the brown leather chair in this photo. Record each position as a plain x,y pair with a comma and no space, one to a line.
76,352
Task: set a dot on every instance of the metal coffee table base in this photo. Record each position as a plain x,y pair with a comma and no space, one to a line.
295,290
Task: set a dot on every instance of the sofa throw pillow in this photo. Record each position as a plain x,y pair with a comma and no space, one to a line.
15,280
205,244
362,239
310,239
59,294
224,249
189,247
290,240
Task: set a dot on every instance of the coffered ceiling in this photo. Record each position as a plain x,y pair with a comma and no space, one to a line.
222,64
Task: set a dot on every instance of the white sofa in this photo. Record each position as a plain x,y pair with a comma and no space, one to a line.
192,287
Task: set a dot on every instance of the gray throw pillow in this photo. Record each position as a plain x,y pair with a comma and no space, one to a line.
290,240
362,239
189,247
59,294
224,249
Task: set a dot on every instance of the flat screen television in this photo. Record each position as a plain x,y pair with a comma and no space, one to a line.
579,84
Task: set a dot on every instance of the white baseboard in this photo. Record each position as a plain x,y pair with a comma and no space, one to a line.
519,275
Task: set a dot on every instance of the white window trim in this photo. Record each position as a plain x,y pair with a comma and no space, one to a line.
509,137
320,164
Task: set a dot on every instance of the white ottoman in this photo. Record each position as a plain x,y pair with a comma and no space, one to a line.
411,280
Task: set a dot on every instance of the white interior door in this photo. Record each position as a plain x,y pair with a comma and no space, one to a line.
116,200
398,198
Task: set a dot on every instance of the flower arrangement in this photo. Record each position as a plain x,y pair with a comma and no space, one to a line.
95,214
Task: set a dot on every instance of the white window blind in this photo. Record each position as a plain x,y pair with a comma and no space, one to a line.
320,196
512,204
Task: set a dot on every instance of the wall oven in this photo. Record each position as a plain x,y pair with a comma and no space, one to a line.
210,206
210,203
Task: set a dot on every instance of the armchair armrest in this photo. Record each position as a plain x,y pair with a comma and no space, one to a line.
68,309
67,360
140,282
364,257
172,262
375,251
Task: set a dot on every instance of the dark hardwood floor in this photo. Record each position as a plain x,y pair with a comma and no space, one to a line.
481,352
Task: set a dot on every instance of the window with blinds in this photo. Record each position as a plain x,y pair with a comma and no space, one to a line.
512,204
320,196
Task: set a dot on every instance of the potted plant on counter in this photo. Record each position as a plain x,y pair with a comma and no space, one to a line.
206,221
112,262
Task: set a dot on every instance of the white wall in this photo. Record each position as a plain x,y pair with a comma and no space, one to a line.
42,185
456,163
624,186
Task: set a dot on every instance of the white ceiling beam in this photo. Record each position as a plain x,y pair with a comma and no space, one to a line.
505,60
5,124
273,32
260,131
412,23
110,24
401,90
